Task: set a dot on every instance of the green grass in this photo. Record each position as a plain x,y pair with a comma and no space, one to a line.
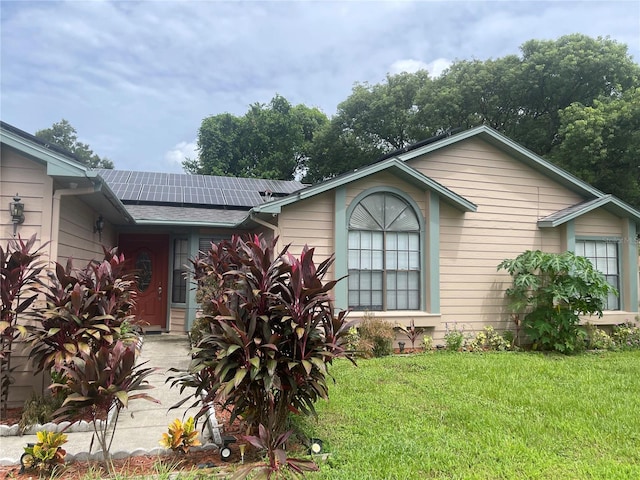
482,416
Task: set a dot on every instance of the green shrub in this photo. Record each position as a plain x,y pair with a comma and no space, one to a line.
489,339
39,410
552,291
626,336
427,343
376,336
454,339
597,339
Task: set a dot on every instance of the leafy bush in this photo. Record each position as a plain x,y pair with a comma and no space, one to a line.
412,332
553,290
85,311
181,436
376,336
96,382
19,271
489,339
47,453
273,334
454,339
39,409
427,343
626,336
597,339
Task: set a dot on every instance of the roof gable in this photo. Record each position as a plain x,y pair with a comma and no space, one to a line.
608,202
393,165
513,149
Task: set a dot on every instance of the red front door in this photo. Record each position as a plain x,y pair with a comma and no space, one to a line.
148,256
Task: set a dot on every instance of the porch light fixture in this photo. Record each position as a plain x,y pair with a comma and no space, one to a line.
99,226
17,213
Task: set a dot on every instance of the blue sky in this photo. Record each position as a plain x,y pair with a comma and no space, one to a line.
136,78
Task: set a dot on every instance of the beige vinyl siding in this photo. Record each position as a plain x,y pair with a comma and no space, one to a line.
30,181
76,238
26,381
511,198
309,222
598,223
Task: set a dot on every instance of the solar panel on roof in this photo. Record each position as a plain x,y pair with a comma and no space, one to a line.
204,196
161,193
126,191
242,198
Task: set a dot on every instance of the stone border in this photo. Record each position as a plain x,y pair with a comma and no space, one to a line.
66,427
118,455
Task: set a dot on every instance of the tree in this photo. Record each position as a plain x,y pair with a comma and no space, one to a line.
374,120
521,96
269,141
552,290
600,144
65,136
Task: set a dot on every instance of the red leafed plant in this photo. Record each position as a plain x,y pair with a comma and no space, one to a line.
272,333
85,310
96,382
19,272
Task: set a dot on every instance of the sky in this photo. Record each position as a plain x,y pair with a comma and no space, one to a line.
136,78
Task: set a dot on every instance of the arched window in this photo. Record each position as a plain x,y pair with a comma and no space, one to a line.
384,254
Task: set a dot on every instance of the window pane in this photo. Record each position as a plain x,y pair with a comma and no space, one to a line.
354,280
354,239
354,259
365,260
612,249
403,260
589,249
612,265
376,260
601,249
376,300
392,241
403,241
414,242
402,300
403,283
376,280
392,260
365,281
414,261
365,240
376,241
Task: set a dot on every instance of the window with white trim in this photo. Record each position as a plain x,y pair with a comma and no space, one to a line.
384,254
604,257
179,280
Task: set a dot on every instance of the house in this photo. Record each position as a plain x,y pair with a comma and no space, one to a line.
419,233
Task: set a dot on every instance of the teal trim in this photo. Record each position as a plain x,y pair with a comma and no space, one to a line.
340,239
570,235
57,164
433,255
421,221
514,149
191,305
393,165
630,244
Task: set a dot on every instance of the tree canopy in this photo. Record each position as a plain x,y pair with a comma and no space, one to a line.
269,141
550,98
65,136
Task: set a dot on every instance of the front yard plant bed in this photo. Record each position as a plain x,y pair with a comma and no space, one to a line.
482,416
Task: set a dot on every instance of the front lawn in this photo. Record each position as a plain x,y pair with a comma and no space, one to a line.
484,416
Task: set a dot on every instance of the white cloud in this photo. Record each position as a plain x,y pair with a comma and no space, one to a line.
180,153
409,66
438,66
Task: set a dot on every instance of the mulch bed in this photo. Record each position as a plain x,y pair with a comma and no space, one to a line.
203,460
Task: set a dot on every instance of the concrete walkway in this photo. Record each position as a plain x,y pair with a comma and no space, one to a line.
139,427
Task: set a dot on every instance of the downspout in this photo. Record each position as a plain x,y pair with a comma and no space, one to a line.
55,215
274,228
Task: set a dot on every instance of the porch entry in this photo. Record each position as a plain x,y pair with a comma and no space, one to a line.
148,256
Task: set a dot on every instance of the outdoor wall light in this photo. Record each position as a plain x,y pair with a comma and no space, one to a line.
17,213
99,226
315,446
